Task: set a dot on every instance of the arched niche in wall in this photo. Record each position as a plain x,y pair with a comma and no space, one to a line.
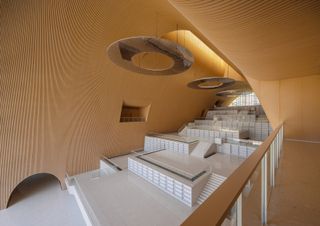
31,185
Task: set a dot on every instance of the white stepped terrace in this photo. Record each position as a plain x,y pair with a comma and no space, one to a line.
178,172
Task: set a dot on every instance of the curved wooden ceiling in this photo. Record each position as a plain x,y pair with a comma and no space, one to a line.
266,40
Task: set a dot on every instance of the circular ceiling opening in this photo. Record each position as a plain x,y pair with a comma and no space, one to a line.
149,55
153,61
233,93
211,83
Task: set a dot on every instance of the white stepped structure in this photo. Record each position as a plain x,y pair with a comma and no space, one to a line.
238,149
213,183
201,149
199,139
176,169
231,123
207,133
258,130
253,110
181,188
159,167
256,109
169,142
204,149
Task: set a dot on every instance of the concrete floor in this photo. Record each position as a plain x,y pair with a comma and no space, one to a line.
41,202
295,200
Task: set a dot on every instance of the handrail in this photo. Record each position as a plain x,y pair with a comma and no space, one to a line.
214,210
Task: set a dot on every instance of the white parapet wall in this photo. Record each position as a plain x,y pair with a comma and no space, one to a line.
205,133
152,143
236,149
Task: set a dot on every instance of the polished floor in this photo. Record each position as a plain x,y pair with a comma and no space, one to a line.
295,201
41,202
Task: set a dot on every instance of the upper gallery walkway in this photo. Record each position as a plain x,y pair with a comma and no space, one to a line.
296,198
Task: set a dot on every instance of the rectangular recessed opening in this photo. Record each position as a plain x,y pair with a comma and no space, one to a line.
131,113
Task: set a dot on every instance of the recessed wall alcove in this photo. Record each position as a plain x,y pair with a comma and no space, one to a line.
134,113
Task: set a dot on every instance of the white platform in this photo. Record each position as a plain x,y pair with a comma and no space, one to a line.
126,199
41,202
170,142
184,164
121,161
181,176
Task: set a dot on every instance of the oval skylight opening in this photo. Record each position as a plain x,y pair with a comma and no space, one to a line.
153,61
123,53
216,82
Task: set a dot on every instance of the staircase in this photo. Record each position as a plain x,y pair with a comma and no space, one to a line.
214,182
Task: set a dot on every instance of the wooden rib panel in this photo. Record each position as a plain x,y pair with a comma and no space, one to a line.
267,40
61,97
276,46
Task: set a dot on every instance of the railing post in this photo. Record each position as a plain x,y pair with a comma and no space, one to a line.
264,190
239,211
275,143
282,134
281,138
279,146
271,150
274,153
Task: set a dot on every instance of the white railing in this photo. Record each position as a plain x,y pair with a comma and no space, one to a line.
215,209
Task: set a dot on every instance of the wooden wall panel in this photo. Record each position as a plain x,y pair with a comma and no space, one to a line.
266,40
310,115
294,101
61,97
275,44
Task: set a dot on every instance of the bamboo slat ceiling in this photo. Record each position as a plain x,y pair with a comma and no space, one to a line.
266,40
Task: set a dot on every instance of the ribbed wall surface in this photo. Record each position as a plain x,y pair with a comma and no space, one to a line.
49,95
266,40
61,97
276,46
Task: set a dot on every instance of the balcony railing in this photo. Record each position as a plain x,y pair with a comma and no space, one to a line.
215,209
